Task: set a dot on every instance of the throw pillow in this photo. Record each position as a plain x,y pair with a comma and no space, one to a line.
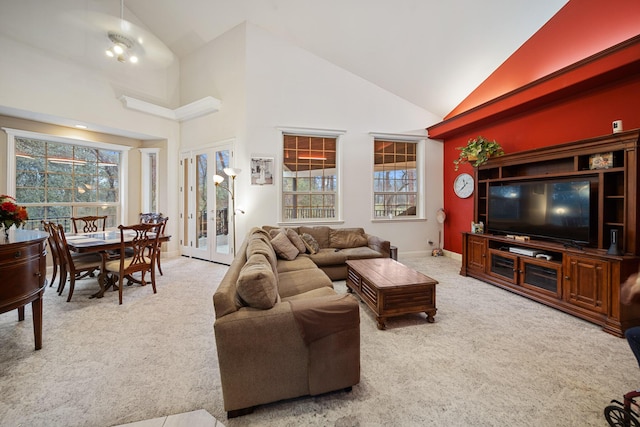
283,247
256,284
311,244
260,243
296,240
274,232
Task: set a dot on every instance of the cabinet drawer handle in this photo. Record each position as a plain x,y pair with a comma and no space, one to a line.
38,274
566,277
18,254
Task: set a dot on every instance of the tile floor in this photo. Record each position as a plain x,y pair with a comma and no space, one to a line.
199,418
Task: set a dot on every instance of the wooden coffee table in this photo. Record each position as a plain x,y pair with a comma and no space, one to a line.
391,289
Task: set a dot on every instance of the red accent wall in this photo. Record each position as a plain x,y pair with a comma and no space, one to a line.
588,115
549,92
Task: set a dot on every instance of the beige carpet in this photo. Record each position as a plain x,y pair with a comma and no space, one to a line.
491,359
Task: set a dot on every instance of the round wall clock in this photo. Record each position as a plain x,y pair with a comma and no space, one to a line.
463,185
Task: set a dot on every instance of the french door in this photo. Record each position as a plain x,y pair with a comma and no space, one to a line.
207,231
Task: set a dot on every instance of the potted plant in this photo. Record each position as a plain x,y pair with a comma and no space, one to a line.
478,150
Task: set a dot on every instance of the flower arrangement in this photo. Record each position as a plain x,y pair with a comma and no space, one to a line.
478,150
11,213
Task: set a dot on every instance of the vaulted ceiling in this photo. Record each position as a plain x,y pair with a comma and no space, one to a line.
432,53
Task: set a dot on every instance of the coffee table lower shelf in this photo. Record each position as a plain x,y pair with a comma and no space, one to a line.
390,288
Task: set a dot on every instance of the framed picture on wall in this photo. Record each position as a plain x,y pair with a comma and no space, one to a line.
261,170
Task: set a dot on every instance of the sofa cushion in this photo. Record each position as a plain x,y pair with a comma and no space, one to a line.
328,256
300,263
342,238
314,293
259,242
310,243
296,240
283,246
319,232
362,252
257,285
299,281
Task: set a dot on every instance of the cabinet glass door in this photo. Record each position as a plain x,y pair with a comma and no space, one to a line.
503,266
545,277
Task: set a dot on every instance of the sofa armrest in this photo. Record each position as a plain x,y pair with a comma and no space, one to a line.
379,245
257,349
326,315
263,357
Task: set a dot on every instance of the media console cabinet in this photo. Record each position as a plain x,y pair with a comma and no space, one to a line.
584,282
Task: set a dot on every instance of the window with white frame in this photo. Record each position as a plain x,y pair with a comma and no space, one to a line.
309,177
59,178
395,178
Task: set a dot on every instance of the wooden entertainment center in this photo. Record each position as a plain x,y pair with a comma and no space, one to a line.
582,281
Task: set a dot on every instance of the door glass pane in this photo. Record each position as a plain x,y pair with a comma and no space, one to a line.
201,201
185,201
223,215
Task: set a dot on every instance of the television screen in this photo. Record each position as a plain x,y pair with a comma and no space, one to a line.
553,209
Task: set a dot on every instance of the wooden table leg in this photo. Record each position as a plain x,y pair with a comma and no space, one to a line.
20,313
430,317
36,309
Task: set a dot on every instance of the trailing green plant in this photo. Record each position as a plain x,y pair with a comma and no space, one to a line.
477,151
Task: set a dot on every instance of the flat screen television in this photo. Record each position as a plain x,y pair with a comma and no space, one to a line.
552,209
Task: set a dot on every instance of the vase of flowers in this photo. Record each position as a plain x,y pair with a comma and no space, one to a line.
477,151
11,214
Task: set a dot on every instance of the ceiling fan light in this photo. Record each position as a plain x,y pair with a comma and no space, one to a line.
133,59
118,49
109,53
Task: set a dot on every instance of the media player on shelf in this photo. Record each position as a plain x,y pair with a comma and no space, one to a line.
523,251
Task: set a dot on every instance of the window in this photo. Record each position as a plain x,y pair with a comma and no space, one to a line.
395,178
309,177
149,163
56,178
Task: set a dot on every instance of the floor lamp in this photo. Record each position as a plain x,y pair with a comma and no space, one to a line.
217,179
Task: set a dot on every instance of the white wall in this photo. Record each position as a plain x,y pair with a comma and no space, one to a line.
265,83
251,72
58,89
216,70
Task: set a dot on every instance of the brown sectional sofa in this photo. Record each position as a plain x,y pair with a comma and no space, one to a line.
351,243
281,330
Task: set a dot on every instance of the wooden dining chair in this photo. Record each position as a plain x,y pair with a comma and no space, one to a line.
76,267
48,227
144,248
88,224
156,218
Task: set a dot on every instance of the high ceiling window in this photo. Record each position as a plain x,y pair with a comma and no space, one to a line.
395,179
309,177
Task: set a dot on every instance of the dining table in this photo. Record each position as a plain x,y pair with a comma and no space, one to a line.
103,243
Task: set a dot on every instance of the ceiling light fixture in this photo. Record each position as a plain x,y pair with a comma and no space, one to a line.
122,47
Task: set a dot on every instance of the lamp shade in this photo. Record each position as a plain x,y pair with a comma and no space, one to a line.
218,179
232,172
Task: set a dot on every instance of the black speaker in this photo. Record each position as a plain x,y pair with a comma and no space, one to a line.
613,248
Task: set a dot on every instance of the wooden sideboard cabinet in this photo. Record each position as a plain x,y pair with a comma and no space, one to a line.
23,271
583,281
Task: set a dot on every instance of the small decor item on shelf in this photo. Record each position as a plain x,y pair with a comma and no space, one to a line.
601,161
477,227
11,213
477,151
